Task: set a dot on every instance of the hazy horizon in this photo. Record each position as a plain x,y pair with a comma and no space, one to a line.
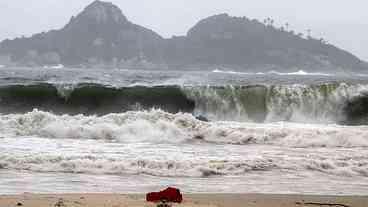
330,20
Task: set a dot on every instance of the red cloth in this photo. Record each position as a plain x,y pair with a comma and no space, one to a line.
171,195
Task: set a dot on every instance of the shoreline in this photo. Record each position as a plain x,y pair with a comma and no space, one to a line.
190,200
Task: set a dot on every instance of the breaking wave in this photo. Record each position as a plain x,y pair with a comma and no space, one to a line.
326,103
157,126
91,99
115,134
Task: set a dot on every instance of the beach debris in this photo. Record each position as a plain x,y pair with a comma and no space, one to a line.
198,137
19,204
322,204
166,197
202,118
163,204
60,203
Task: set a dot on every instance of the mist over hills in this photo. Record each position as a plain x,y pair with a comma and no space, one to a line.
101,36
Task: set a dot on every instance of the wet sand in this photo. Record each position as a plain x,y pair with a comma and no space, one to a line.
192,200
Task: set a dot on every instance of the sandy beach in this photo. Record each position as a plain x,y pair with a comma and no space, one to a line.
197,200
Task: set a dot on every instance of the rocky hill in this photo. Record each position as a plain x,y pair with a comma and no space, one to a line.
102,36
225,40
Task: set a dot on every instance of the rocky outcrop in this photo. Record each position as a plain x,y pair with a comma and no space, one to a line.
102,35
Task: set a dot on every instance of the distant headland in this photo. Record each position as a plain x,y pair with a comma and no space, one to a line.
101,36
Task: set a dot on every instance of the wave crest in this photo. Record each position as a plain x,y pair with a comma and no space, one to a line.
157,126
326,103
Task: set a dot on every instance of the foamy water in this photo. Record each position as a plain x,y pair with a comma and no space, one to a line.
179,150
124,131
296,73
59,66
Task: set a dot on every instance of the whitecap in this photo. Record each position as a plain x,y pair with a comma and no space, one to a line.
157,126
301,73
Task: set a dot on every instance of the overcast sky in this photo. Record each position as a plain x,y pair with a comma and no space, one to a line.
341,22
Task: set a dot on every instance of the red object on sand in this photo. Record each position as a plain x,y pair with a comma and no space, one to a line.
171,195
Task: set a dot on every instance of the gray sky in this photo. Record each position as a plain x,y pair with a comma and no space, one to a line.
343,23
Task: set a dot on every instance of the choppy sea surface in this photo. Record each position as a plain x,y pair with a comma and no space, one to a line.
70,130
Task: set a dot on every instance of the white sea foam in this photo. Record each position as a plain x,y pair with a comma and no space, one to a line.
176,160
177,145
98,165
160,127
297,73
59,66
300,72
233,72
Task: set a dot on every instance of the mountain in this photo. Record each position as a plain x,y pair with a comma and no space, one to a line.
102,36
234,41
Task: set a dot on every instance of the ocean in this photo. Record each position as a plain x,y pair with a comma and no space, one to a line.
65,130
